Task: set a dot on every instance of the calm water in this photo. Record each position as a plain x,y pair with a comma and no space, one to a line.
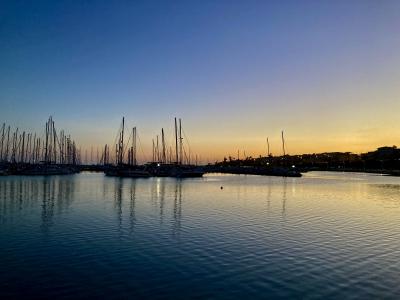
325,235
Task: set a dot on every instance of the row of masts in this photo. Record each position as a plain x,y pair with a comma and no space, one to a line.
59,148
268,148
160,152
26,147
120,149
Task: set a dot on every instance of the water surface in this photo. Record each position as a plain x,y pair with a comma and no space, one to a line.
325,235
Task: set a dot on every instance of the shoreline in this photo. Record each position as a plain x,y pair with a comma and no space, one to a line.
384,172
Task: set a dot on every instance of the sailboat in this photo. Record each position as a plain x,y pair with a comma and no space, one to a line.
159,166
130,169
181,170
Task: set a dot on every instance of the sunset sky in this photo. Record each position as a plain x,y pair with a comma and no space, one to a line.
236,72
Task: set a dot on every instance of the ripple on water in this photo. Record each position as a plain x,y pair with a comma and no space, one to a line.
325,235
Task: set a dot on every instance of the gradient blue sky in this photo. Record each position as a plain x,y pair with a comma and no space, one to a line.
327,72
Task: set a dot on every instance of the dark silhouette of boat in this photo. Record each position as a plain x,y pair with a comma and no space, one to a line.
43,169
3,172
187,171
3,168
178,168
130,169
175,170
127,171
252,170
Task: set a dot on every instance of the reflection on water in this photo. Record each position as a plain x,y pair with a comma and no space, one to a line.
161,196
325,235
177,207
53,194
165,194
283,198
132,216
389,194
284,188
118,201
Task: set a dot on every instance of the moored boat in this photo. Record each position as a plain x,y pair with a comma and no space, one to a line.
126,171
121,169
45,169
187,171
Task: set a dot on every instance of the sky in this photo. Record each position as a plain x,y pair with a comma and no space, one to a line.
236,72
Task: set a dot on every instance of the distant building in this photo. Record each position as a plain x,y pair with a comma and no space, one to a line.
383,153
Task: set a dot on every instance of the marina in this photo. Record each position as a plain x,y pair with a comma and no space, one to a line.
57,154
199,150
160,165
25,153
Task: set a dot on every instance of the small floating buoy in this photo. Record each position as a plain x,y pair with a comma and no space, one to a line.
222,187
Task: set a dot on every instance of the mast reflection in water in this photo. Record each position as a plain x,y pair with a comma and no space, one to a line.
22,195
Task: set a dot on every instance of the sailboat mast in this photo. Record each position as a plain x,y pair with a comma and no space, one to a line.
268,147
176,142
134,146
49,151
33,149
157,151
2,141
14,146
47,142
8,143
283,144
154,152
121,151
180,142
23,148
164,158
116,153
105,155
54,143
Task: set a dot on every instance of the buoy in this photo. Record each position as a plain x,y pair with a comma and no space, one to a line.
222,187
